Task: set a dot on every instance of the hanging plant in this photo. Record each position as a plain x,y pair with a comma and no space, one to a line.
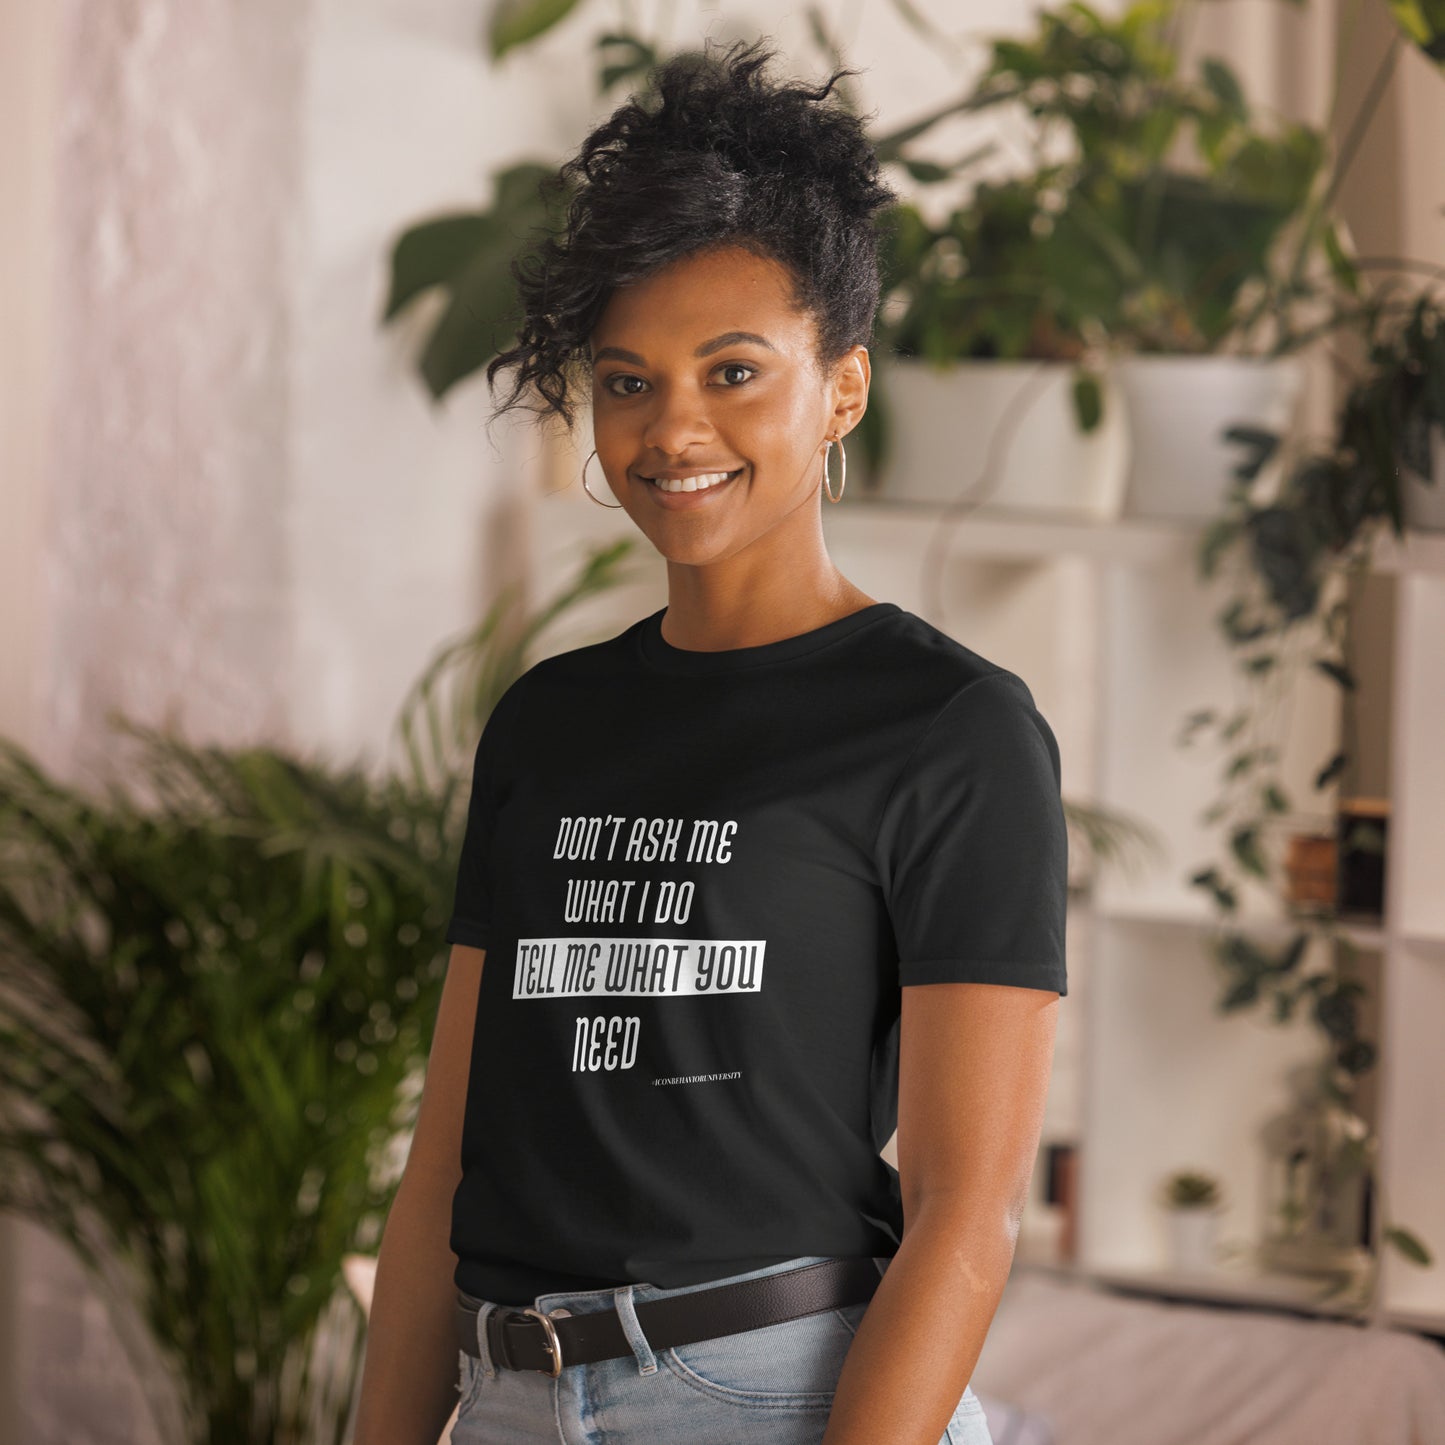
1294,558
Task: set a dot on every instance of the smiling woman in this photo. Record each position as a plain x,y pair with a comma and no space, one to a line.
803,887
713,301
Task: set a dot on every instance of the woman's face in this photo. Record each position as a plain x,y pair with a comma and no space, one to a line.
707,368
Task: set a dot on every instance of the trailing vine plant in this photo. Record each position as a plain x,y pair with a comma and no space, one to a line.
1294,557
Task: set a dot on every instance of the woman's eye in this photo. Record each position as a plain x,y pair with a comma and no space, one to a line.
622,376
738,366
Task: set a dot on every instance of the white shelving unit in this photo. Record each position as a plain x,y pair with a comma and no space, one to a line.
1115,635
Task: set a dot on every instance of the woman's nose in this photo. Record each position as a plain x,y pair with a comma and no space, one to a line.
679,420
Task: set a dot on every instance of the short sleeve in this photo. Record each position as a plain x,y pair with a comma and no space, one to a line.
471,917
972,846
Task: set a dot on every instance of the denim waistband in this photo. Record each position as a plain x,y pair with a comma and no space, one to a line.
625,1298
583,1301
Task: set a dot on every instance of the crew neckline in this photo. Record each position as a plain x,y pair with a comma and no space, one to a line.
662,654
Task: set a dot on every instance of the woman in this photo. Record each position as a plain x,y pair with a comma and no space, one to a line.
774,871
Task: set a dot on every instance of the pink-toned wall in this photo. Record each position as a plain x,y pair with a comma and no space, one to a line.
179,183
159,544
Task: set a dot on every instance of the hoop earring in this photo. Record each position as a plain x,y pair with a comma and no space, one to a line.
611,506
843,478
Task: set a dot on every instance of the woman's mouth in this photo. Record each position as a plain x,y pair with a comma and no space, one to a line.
681,490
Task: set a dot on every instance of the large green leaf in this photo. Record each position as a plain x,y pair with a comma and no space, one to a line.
519,190
431,253
470,256
515,22
481,316
1225,86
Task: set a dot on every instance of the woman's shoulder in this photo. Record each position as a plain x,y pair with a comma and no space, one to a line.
945,670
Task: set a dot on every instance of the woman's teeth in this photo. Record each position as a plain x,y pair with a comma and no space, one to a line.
691,484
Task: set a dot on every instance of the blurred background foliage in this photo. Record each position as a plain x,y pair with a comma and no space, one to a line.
218,984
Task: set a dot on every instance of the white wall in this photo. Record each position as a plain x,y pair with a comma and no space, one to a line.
28,44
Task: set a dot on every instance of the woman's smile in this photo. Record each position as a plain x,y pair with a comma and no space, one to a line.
693,490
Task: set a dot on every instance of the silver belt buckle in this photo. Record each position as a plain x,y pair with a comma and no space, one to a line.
553,1345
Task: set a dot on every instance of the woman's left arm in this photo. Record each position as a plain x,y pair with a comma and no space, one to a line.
973,1074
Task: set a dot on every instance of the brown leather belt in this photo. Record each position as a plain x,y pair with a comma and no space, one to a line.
526,1339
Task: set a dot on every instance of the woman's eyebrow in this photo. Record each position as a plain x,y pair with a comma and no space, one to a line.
728,338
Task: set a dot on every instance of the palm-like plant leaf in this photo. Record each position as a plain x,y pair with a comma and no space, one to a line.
217,993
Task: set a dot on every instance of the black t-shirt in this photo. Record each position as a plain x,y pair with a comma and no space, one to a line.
701,879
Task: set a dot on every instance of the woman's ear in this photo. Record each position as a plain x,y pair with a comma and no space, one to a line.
851,377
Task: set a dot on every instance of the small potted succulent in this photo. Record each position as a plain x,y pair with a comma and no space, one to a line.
1193,1202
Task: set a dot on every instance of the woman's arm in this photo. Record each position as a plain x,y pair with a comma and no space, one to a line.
409,1375
973,1074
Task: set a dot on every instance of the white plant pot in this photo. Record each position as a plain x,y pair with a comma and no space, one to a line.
1193,1239
1422,503
1178,407
1013,419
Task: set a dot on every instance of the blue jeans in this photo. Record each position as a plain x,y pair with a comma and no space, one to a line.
769,1386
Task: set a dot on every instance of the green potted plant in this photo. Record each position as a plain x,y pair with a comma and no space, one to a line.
987,320
217,991
1288,278
1156,238
1193,1202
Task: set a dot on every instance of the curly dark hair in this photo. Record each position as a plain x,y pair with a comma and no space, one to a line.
713,155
